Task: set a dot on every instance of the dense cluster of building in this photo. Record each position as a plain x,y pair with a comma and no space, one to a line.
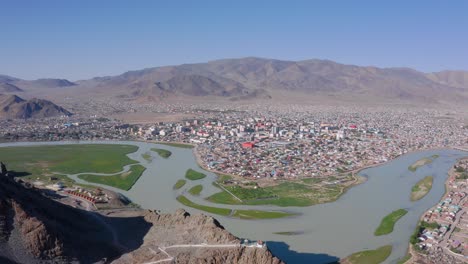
62,129
307,144
285,142
448,221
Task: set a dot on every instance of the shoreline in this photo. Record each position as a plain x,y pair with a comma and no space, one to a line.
355,173
450,174
358,179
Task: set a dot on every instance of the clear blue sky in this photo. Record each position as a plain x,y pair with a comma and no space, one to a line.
83,39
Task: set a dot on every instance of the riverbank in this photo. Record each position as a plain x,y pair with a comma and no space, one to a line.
414,254
357,180
316,224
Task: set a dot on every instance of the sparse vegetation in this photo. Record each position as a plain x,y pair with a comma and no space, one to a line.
179,184
376,256
194,175
242,214
162,152
214,210
223,177
424,161
388,222
421,188
288,233
146,156
284,194
177,145
404,259
256,214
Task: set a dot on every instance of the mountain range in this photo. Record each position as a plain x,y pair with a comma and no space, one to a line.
259,78
14,107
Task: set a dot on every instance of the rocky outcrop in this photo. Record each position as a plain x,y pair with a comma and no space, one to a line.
47,231
12,106
3,169
37,229
9,88
184,238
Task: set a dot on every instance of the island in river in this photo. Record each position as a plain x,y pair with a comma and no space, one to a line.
35,228
314,223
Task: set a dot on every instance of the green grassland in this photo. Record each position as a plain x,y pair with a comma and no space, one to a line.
177,145
147,156
290,193
257,214
196,190
424,161
214,210
123,181
194,175
179,184
42,162
242,214
223,177
388,222
376,256
421,188
162,152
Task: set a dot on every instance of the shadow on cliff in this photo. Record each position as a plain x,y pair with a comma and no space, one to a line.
6,261
18,173
282,251
75,234
129,231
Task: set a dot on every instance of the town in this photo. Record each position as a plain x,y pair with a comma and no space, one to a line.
265,142
442,235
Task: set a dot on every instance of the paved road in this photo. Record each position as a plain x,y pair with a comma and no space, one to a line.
447,235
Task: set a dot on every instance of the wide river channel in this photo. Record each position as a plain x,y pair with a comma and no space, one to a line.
327,232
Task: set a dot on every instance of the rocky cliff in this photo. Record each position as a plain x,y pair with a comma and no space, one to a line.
36,229
183,238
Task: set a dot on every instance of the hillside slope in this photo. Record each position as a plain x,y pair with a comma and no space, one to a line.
12,106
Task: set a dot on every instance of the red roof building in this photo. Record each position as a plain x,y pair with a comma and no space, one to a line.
248,145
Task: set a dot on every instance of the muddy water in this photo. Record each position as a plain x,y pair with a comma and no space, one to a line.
326,232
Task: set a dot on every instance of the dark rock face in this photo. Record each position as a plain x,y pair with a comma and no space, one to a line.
36,229
49,231
171,233
12,106
3,169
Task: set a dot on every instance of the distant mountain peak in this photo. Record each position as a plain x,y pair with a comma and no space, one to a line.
13,106
9,88
255,77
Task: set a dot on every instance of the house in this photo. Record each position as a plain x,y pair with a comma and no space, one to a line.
248,145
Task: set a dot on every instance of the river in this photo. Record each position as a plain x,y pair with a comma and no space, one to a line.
328,231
